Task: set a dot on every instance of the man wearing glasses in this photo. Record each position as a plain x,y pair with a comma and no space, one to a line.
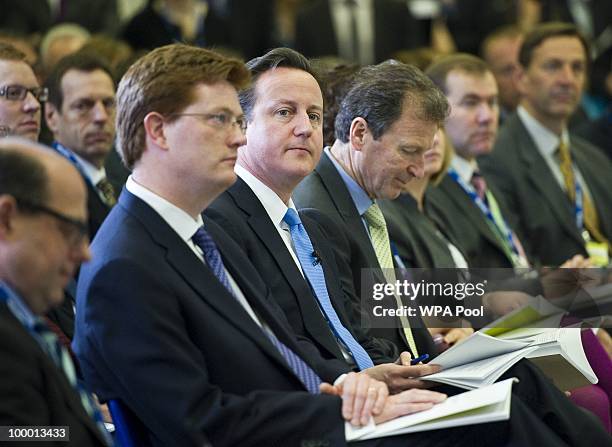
43,239
20,95
80,113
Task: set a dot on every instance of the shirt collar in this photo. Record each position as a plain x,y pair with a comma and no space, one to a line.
271,202
89,170
181,222
360,198
17,306
545,140
465,168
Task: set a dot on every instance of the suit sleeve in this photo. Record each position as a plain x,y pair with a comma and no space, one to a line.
137,338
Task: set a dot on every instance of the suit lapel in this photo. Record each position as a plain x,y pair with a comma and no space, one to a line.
343,201
539,175
470,210
260,223
197,275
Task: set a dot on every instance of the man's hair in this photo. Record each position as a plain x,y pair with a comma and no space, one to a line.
23,177
540,33
337,81
9,53
379,93
275,58
164,81
503,32
80,61
466,63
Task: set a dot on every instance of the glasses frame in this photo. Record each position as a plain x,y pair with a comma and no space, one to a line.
40,93
241,122
82,228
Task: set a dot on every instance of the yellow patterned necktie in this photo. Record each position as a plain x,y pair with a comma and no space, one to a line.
591,220
382,247
107,190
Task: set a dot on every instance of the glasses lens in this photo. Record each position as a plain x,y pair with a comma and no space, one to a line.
15,92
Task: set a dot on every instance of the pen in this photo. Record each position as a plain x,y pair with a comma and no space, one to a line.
419,359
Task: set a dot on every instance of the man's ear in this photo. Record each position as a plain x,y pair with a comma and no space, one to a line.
8,209
358,133
520,79
154,129
52,117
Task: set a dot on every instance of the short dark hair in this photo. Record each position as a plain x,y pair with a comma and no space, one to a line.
9,53
503,32
164,81
81,61
467,63
275,58
541,32
338,81
378,95
23,177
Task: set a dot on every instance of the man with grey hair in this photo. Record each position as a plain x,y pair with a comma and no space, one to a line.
385,125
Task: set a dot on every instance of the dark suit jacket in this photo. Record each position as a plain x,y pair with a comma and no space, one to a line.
240,213
33,391
543,213
185,356
325,191
415,234
394,29
96,209
454,211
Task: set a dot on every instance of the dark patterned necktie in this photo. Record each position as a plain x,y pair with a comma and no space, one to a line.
307,376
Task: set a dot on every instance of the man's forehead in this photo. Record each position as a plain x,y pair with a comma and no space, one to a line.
17,69
561,47
216,96
290,82
460,83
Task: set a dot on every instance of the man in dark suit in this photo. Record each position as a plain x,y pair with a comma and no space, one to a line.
80,112
385,124
382,27
465,204
555,184
277,156
199,346
43,239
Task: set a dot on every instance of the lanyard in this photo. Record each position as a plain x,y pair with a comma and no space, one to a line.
578,204
502,227
72,159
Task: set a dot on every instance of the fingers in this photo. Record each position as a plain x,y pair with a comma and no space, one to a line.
457,334
327,388
362,397
404,359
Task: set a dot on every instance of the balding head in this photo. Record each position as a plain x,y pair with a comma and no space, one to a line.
43,215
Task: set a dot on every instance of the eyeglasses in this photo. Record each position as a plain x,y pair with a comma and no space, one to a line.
19,92
222,120
73,230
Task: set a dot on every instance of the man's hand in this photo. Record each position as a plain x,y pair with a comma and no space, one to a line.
362,397
408,402
400,376
453,335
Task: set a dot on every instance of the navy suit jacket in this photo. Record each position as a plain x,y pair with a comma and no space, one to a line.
244,218
156,329
325,191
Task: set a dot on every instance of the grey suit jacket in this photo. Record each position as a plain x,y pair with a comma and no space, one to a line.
543,214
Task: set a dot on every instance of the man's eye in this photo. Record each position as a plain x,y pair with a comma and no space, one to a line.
14,92
283,113
314,117
220,118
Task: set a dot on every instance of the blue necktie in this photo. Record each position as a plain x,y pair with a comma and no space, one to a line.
307,376
314,273
62,360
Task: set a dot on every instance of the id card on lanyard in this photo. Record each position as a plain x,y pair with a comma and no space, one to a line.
517,259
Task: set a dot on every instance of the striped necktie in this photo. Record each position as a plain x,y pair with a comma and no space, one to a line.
62,360
307,376
382,247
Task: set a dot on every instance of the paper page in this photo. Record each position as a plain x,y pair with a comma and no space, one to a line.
459,404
